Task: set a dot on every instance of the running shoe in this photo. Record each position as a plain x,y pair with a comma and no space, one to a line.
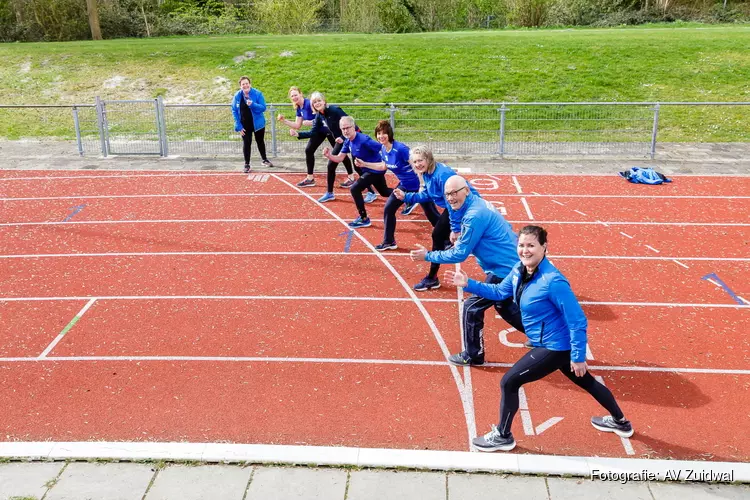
609,424
463,359
306,183
528,344
494,441
326,197
427,283
408,208
267,163
370,197
247,168
360,222
347,183
386,246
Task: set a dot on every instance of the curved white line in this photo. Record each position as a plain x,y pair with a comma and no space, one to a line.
436,333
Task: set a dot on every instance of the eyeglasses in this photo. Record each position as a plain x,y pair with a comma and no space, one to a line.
451,194
347,128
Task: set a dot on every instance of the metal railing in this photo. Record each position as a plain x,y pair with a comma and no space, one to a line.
152,127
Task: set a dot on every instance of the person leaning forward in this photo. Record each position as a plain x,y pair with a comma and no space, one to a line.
486,234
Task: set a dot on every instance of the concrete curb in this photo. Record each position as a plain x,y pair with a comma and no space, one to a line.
614,469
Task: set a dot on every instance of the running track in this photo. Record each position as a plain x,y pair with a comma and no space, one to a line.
209,307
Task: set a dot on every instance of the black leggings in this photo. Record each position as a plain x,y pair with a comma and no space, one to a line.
537,364
312,146
389,215
366,181
441,233
332,165
247,143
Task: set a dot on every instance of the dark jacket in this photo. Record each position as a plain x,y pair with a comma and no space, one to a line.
327,124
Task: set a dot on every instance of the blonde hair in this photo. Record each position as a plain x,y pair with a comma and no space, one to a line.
292,89
426,153
317,95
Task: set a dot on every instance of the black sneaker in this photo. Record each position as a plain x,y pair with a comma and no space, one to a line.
267,163
386,246
427,283
609,424
247,168
493,441
463,359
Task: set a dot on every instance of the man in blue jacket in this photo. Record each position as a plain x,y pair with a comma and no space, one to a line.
477,228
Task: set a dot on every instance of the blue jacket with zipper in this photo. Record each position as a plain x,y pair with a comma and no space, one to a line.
550,312
434,190
258,107
484,233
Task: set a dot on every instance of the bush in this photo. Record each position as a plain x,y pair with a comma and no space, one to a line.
360,16
394,17
288,16
528,13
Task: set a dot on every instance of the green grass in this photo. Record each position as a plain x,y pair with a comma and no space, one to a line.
602,65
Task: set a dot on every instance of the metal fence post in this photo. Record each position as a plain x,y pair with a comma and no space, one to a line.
653,131
502,110
272,111
161,122
393,117
100,121
77,126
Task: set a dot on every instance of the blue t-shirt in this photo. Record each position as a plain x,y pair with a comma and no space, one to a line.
306,111
365,148
397,161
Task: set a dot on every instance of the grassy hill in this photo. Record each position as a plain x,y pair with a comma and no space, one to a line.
630,64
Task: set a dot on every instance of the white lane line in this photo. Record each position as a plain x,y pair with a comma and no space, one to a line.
626,235
652,248
363,361
743,299
680,263
126,196
558,202
405,221
535,193
123,176
358,254
602,223
579,212
625,441
66,329
714,282
165,221
523,406
528,210
547,424
648,197
343,299
515,183
168,254
471,419
462,390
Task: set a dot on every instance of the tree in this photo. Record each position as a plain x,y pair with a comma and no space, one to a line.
93,12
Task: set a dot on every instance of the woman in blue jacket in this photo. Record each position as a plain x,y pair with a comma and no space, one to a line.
556,327
248,107
434,176
304,115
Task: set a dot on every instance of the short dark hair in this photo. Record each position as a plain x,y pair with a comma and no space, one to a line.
384,126
246,78
538,231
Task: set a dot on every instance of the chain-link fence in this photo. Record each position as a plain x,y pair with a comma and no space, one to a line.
505,129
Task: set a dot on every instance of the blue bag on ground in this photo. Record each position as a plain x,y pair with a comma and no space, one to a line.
638,175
